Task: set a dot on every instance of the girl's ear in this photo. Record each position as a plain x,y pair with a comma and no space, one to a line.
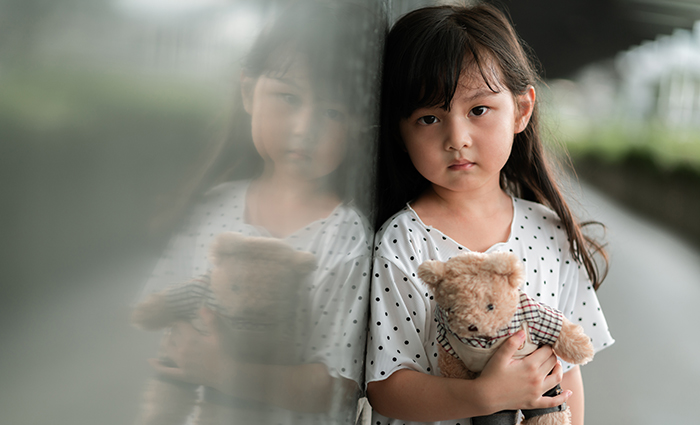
525,104
247,89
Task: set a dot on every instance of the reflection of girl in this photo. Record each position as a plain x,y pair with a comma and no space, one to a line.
306,105
461,168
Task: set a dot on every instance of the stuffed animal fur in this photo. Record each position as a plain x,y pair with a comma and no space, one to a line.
480,304
253,290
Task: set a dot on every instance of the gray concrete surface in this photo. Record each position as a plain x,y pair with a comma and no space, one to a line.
73,359
651,299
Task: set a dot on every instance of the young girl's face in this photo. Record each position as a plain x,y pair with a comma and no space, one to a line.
299,132
465,148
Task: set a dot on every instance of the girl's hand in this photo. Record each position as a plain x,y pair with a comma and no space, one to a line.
198,358
519,383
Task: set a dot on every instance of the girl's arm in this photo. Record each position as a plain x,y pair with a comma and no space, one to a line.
573,381
504,384
200,360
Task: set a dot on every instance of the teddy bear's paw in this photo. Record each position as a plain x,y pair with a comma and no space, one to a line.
215,413
166,402
152,313
573,345
452,367
555,418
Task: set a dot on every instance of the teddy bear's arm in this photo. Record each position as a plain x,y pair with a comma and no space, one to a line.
452,367
153,313
573,346
180,302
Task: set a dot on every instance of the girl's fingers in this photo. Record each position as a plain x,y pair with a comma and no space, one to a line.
549,364
543,360
209,319
555,377
546,402
505,353
542,355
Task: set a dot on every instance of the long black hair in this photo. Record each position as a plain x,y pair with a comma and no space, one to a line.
426,52
340,44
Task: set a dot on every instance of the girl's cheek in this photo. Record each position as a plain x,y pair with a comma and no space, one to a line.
275,108
334,149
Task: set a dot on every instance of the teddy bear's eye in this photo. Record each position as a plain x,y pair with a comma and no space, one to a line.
490,307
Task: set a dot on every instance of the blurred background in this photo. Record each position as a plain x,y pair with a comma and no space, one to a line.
105,103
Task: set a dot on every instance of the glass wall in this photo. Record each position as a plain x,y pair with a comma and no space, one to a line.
188,182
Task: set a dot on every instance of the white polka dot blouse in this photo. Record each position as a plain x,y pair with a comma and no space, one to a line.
402,329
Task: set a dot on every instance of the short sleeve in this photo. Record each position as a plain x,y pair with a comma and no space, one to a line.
174,266
582,307
587,312
400,323
336,313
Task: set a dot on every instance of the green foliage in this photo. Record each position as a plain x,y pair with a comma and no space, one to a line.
663,147
47,101
86,155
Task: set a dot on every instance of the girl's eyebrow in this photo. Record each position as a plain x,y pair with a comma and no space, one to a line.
288,82
479,94
320,97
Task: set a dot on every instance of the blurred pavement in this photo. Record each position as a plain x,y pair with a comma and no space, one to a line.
73,359
651,298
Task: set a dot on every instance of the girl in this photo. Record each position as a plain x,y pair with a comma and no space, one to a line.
462,162
306,116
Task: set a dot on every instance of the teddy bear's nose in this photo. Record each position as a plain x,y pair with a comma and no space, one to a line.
472,328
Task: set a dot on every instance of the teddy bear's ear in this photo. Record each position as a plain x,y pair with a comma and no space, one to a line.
507,264
226,244
517,275
304,262
432,272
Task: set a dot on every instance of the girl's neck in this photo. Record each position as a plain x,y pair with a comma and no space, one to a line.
475,220
283,205
468,204
288,188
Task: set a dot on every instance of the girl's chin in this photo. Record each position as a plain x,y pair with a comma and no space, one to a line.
301,171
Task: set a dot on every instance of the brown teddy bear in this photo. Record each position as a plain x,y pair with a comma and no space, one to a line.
253,291
479,305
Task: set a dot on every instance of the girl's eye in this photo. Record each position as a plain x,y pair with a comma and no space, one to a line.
334,114
427,120
479,111
290,99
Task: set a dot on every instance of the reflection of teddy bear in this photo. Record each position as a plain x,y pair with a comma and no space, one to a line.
253,290
479,305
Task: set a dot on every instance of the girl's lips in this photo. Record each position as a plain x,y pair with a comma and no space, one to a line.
461,165
298,155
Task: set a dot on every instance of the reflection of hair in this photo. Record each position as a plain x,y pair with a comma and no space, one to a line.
426,52
339,43
332,40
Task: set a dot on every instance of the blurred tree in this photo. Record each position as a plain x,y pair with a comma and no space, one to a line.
22,24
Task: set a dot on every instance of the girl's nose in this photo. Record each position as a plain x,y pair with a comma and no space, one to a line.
458,135
304,124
